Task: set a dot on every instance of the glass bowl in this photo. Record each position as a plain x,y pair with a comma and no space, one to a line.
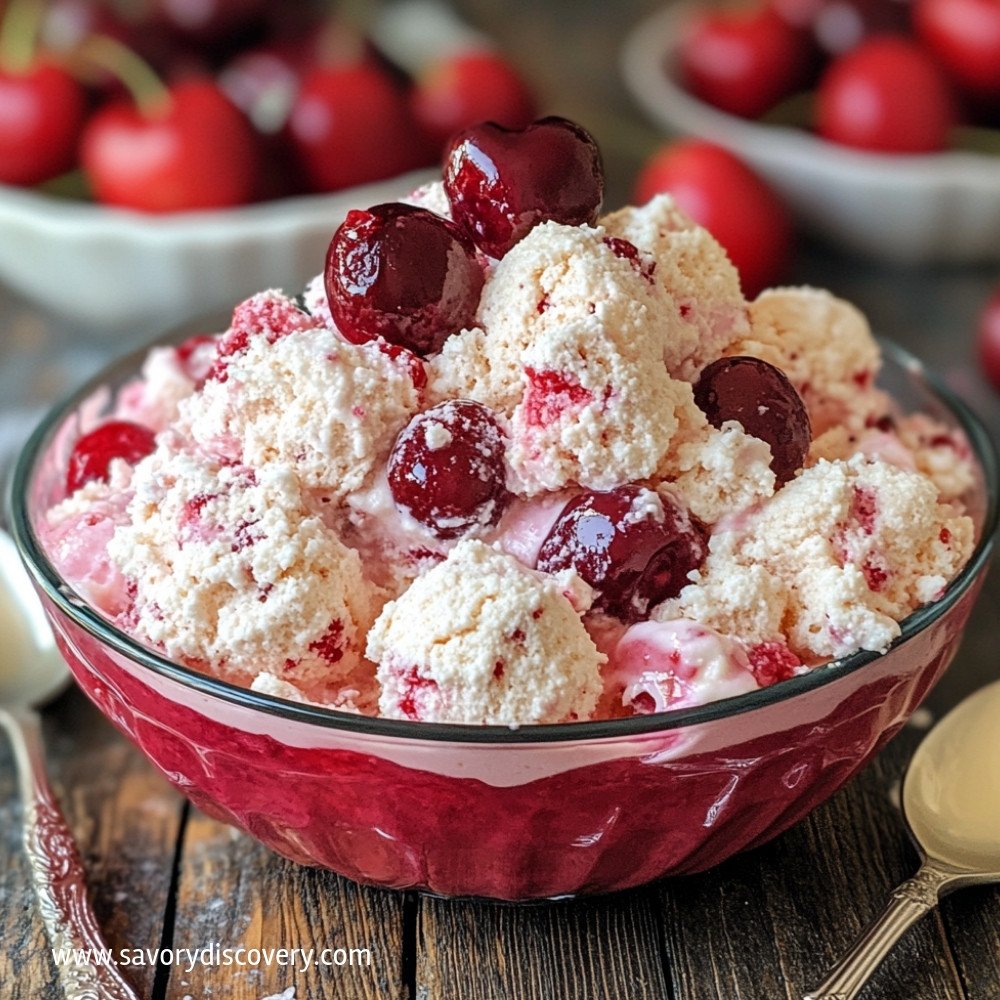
489,811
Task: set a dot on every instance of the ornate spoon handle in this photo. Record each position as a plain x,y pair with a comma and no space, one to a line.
909,902
58,873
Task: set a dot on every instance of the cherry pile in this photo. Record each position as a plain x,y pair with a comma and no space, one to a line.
891,76
164,106
412,278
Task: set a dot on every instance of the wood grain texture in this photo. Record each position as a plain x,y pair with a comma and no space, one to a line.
234,892
600,949
125,818
771,923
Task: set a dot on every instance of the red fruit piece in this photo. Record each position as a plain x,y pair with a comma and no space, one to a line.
759,397
964,35
266,314
93,452
549,394
447,468
41,114
722,194
404,274
350,125
196,150
988,340
633,546
459,90
745,60
501,183
887,96
772,662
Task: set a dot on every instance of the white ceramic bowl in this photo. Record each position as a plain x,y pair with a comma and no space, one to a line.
115,270
935,208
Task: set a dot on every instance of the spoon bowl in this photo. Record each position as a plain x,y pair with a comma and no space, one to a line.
951,794
32,672
951,805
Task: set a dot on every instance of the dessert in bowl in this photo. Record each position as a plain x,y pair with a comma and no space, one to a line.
544,565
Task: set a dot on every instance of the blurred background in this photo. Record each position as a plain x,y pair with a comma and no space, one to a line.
162,159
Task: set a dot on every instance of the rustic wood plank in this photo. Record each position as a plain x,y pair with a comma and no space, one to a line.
971,921
770,924
125,818
234,892
602,949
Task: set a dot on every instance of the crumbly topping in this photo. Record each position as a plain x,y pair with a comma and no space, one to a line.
309,399
481,639
230,571
825,347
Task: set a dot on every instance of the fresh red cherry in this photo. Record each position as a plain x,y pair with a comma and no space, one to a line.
759,397
964,36
501,183
447,468
402,273
633,546
192,150
722,194
458,90
888,96
744,61
93,453
350,125
988,340
41,114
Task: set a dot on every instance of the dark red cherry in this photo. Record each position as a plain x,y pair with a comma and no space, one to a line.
447,468
402,273
501,183
760,398
92,453
633,546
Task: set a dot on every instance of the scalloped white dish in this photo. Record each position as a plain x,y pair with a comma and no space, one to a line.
935,208
116,270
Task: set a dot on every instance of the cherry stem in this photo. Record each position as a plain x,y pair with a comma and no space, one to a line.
22,24
149,92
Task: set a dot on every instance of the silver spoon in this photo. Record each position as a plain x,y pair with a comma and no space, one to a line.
31,673
951,804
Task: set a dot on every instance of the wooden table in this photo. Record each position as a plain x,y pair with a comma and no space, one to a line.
763,926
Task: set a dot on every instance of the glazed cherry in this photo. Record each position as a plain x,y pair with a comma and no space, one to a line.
633,546
446,469
93,453
402,273
501,183
760,398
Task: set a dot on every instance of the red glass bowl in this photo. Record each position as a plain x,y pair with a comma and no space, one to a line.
514,814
